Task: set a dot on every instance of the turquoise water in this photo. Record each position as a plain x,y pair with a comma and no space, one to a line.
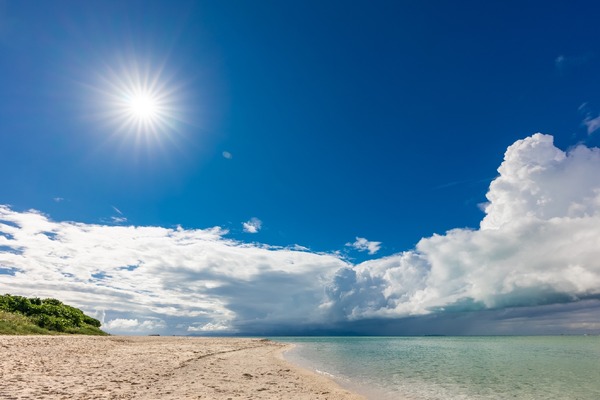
432,368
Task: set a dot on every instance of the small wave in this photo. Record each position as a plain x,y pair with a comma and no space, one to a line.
325,373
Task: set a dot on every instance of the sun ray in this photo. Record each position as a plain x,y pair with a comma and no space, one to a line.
139,102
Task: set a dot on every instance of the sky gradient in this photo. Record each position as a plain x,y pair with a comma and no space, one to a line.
309,167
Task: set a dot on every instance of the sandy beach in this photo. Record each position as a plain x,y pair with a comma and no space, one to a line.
84,367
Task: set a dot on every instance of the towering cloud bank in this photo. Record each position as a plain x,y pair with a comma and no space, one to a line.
539,243
539,181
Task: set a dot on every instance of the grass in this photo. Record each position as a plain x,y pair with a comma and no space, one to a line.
16,324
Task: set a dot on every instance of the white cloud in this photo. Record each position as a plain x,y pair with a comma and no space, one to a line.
362,244
539,243
227,155
252,226
539,181
210,327
297,247
184,277
132,325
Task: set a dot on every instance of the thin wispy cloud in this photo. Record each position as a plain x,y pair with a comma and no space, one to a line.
252,226
592,124
591,120
119,218
565,63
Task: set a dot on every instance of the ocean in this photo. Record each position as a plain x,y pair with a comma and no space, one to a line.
457,368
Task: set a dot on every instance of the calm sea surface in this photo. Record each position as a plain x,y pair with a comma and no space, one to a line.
508,367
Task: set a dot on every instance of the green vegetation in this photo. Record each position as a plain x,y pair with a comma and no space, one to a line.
33,316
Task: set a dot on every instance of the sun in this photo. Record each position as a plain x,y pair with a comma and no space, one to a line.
140,101
144,107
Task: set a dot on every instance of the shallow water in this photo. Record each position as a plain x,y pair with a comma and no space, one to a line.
435,368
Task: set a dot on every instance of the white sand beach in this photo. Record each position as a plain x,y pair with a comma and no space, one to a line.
119,367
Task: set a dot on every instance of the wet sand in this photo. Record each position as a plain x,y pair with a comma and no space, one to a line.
120,367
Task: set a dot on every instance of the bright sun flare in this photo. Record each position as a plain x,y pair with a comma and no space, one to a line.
140,102
143,107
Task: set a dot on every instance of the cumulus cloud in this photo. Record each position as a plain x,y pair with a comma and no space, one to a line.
132,325
541,182
252,226
227,155
183,277
210,327
538,245
362,244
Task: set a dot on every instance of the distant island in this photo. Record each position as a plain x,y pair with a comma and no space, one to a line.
33,316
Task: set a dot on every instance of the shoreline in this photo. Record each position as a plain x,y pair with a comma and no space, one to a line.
136,367
365,391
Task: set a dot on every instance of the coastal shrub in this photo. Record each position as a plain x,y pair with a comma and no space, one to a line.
91,321
53,323
51,314
35,301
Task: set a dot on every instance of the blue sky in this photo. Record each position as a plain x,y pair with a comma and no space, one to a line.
353,143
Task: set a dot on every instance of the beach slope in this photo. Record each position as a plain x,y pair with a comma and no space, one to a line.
83,367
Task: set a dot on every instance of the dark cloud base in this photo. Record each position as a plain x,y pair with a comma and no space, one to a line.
555,319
